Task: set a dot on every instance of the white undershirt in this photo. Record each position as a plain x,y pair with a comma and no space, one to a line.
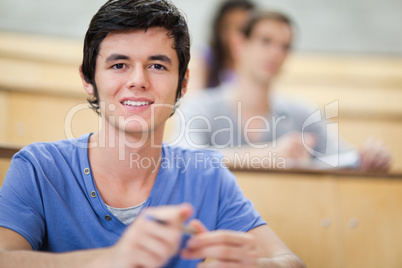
126,215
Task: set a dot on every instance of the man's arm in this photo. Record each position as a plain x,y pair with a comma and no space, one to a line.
15,251
374,156
10,240
272,251
258,248
144,244
286,152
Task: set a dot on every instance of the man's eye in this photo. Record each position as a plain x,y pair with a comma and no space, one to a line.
158,67
119,66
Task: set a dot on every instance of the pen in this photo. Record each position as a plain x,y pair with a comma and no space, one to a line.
186,228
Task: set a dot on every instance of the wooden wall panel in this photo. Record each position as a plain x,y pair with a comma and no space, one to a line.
34,118
300,209
332,220
371,212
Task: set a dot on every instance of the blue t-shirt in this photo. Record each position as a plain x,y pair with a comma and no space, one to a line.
49,196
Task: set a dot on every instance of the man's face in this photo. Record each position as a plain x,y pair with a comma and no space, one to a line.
136,73
266,49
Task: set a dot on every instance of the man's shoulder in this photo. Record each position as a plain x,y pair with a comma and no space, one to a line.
283,104
193,159
176,150
40,150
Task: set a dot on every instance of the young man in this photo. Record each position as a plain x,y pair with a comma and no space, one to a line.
247,119
81,199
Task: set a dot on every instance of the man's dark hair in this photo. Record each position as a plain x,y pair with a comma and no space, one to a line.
258,16
128,15
219,51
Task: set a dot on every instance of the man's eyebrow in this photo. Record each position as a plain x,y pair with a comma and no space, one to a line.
161,57
115,57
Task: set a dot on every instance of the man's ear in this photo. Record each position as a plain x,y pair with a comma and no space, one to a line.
89,88
184,84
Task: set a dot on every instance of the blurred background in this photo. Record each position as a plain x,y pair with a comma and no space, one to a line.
354,26
345,51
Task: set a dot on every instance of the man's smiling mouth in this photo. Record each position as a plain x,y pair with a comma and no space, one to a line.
136,103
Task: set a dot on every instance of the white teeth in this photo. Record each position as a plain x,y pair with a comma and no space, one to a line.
136,103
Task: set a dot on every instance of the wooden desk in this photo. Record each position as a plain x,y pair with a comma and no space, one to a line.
8,150
4,165
331,219
6,153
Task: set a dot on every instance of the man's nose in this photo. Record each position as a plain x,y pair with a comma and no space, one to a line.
138,78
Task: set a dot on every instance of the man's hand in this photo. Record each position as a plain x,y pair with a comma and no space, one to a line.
374,156
222,247
147,243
